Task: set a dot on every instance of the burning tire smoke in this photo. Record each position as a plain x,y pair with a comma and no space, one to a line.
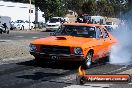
122,52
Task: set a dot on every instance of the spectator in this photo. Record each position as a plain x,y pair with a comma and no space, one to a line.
5,26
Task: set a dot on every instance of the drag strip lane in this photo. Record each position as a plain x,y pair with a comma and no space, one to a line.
28,75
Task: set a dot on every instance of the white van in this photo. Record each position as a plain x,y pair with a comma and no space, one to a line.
54,23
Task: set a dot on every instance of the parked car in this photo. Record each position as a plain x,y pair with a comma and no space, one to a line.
12,25
21,25
111,24
81,42
54,23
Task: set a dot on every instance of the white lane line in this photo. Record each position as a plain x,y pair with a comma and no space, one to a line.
130,83
116,70
19,36
34,37
5,40
89,86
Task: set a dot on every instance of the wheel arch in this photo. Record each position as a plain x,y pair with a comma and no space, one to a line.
89,51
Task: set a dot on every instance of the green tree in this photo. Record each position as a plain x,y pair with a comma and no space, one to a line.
51,7
89,7
75,5
105,8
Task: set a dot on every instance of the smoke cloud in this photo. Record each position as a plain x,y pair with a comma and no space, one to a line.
122,52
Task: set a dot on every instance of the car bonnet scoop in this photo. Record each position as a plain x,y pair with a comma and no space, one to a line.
60,38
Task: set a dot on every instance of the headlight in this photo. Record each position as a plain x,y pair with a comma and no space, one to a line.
18,25
33,47
57,25
77,50
47,25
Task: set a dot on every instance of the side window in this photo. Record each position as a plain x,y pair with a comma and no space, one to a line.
98,33
105,34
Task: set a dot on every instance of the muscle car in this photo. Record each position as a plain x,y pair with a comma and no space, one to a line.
76,42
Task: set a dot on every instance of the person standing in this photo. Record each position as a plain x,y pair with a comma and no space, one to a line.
5,26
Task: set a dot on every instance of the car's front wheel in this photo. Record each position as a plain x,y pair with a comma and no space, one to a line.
88,61
38,60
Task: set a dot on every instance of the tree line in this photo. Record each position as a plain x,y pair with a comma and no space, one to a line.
109,8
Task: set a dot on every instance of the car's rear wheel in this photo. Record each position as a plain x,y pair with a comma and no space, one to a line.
22,27
106,60
31,28
88,61
1,31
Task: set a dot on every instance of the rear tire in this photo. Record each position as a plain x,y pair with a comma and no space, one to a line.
31,28
106,60
22,27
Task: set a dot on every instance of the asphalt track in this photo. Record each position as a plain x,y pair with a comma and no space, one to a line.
27,74
23,35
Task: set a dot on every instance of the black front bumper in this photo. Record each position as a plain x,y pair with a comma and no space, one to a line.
59,57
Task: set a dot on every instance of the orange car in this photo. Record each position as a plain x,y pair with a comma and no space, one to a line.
81,42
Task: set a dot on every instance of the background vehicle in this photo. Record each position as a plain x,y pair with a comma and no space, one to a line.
54,23
111,24
20,11
78,42
20,24
91,19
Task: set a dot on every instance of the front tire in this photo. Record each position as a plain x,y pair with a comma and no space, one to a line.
38,61
88,61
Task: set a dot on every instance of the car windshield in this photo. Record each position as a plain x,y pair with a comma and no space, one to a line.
53,20
109,28
87,17
19,21
78,31
108,23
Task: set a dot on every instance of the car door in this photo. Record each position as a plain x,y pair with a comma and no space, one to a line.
99,48
107,41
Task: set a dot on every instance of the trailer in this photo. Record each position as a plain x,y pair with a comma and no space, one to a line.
85,18
20,11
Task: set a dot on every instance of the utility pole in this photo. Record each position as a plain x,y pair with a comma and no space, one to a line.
29,13
36,16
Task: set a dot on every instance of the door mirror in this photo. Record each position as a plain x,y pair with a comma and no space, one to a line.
101,36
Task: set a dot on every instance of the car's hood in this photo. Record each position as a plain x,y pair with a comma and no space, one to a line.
63,41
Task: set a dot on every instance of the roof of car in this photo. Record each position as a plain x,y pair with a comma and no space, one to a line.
83,24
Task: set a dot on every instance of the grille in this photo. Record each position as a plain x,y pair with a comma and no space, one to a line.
51,25
55,49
